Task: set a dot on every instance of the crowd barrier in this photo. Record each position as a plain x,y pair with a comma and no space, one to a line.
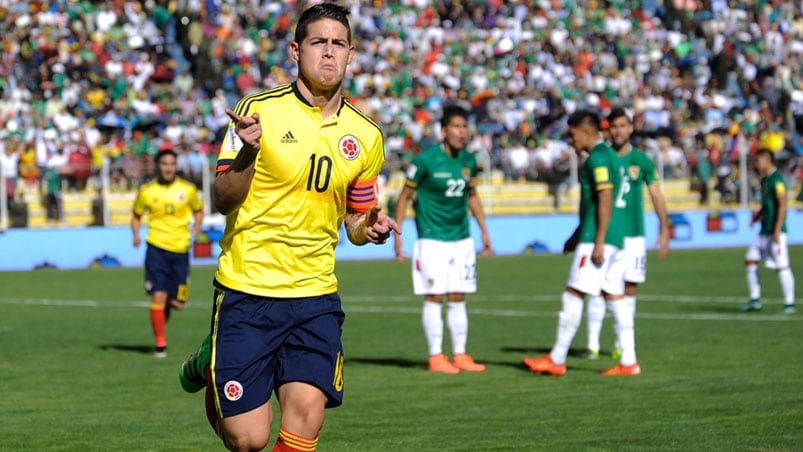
88,247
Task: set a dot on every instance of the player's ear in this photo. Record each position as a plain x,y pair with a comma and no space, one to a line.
294,50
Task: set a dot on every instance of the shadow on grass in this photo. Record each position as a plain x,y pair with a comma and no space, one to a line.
389,362
145,349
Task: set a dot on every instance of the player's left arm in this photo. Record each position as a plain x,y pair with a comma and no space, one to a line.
475,206
659,203
371,226
364,219
780,197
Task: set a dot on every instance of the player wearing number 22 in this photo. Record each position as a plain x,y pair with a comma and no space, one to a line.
598,265
297,162
442,178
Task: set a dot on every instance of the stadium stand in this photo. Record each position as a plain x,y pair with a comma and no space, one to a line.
83,83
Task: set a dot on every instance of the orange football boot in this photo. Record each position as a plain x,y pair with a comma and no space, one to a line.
465,362
623,370
440,363
544,365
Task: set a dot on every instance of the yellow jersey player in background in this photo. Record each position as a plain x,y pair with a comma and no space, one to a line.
171,202
297,162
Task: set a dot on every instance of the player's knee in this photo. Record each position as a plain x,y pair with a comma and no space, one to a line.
245,441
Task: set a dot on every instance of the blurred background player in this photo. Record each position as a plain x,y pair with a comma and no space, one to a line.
597,266
441,179
171,202
277,318
770,244
638,170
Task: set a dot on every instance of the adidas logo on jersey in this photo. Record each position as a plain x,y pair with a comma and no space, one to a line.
288,138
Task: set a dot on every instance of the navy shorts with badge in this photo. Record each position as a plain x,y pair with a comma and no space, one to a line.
260,343
167,271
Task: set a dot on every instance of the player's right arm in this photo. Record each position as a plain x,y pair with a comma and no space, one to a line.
405,196
780,217
659,204
233,183
136,217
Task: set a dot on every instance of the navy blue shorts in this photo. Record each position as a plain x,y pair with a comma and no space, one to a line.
168,272
260,343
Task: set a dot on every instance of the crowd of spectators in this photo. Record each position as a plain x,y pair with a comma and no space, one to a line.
84,82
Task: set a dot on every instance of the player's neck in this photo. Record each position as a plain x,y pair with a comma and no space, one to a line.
327,100
449,151
624,149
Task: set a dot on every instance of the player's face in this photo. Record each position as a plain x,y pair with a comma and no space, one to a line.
167,168
620,131
324,54
581,139
762,164
455,133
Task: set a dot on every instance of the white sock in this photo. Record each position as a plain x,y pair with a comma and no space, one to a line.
595,314
457,320
432,319
753,284
787,286
631,304
625,331
569,319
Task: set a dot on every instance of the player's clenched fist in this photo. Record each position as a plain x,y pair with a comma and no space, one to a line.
247,128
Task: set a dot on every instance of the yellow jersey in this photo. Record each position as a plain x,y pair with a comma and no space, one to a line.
281,241
170,208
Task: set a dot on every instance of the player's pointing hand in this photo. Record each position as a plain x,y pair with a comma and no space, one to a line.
378,225
247,128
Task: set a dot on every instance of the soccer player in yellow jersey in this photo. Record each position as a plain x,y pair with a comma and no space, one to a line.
170,203
297,162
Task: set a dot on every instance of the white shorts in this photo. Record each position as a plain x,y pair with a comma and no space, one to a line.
591,279
444,267
774,255
635,256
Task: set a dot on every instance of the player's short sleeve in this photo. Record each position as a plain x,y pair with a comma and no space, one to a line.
416,171
231,141
364,191
473,170
139,203
649,170
196,203
780,189
600,168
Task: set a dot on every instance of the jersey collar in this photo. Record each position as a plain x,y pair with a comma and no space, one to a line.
304,101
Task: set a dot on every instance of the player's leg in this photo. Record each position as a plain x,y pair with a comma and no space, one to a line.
156,283
780,261
310,372
584,278
429,280
181,276
302,407
244,373
635,255
614,290
755,253
462,279
595,314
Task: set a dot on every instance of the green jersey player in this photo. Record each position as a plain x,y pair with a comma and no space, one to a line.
770,245
441,180
639,171
597,267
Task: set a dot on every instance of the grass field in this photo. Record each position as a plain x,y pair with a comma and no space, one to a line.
76,369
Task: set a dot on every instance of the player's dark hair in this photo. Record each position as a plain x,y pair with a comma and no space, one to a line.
617,113
450,111
319,11
585,118
767,152
161,154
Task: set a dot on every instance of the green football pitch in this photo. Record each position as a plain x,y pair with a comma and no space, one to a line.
77,373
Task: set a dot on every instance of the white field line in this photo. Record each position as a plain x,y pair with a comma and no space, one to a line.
475,311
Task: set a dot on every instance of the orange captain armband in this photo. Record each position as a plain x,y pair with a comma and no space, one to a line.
362,194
